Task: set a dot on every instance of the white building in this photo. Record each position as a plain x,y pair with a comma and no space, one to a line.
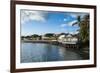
68,39
44,37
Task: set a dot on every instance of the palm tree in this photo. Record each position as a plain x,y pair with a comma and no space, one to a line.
78,22
83,23
84,30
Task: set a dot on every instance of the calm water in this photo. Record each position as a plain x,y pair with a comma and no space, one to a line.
40,52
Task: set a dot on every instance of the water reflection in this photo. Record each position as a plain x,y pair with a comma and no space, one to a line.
39,52
68,55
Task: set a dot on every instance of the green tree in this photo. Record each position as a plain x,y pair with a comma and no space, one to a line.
83,23
22,36
49,35
35,36
84,30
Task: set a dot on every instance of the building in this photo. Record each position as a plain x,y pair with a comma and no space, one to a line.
68,39
44,37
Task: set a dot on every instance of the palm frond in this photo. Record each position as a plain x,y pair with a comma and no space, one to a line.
75,23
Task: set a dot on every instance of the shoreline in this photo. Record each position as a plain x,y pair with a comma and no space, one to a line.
53,42
73,47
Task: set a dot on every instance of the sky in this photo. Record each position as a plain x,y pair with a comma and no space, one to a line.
42,22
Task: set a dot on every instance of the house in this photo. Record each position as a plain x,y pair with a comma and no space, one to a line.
68,39
49,36
62,38
44,37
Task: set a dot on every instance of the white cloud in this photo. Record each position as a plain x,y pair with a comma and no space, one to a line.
78,14
65,19
27,15
68,24
63,25
76,32
74,15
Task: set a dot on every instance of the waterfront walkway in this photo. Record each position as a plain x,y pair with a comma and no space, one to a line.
55,42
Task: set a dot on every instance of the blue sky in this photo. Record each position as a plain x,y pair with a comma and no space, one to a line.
41,22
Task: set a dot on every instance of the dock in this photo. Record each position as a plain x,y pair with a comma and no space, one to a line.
54,42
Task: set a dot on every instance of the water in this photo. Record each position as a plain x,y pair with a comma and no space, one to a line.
41,52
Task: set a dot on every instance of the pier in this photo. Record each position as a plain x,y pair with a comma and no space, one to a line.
63,44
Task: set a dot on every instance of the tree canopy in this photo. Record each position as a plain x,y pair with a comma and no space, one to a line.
83,23
49,35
